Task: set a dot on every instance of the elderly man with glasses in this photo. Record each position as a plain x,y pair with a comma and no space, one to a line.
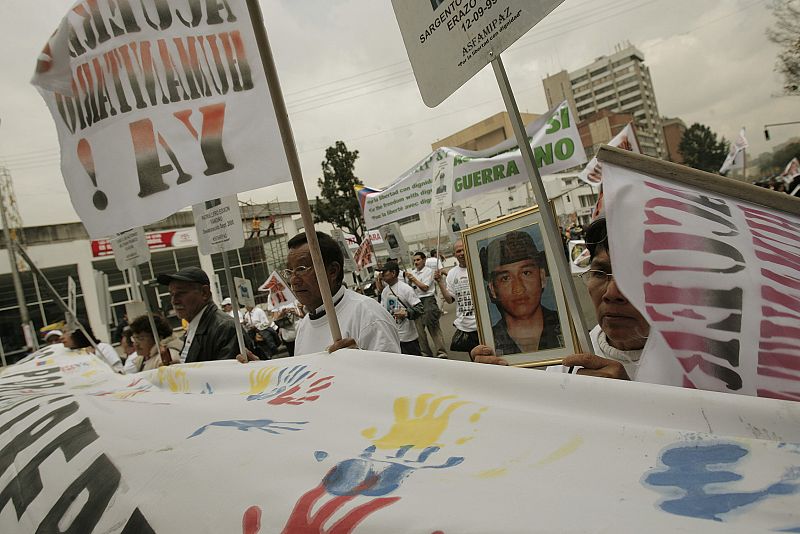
621,332
363,322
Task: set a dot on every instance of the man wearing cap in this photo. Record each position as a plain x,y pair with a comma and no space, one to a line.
403,304
211,334
53,337
421,280
363,322
227,306
515,272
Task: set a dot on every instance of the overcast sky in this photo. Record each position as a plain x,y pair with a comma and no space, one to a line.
346,76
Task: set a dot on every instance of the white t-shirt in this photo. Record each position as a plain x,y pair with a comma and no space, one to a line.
110,356
403,297
458,286
433,263
255,318
424,275
360,318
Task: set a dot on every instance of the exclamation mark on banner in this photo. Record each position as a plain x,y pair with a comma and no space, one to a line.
99,199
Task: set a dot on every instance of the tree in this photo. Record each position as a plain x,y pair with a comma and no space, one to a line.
701,150
339,203
786,34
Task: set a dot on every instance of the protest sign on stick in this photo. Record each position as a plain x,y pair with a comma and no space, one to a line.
155,113
447,47
713,264
290,151
219,230
131,250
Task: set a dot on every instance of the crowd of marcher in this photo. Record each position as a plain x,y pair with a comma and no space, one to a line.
404,317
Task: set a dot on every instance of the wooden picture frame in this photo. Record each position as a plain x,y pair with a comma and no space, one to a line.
516,290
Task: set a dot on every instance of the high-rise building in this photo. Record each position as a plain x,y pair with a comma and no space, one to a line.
673,133
620,83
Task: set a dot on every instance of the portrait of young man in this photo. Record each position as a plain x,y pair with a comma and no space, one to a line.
515,272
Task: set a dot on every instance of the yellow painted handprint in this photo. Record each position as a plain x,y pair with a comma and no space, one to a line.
423,429
174,378
259,380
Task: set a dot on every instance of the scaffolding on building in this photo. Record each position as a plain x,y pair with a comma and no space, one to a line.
266,227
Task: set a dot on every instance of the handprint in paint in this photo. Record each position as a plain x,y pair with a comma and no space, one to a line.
367,475
245,425
421,429
174,378
303,520
295,385
693,467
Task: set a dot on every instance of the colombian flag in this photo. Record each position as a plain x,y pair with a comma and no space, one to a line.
362,193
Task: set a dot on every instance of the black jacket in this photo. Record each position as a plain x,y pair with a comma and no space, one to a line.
215,338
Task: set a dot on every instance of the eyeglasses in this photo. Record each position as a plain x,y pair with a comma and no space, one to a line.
594,278
300,270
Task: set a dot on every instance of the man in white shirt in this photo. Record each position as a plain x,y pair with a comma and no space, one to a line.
421,279
400,300
456,289
363,322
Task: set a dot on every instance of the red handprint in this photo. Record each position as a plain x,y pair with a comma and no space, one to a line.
302,521
289,397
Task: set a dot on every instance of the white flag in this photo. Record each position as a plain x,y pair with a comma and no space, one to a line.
735,159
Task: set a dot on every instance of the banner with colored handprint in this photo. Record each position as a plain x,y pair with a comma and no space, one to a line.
360,441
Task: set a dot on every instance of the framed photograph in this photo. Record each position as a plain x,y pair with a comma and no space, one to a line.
519,304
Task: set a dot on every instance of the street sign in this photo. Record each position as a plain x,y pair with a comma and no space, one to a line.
219,225
449,41
130,248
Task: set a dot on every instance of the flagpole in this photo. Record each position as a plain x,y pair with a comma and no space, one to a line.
53,293
548,221
294,164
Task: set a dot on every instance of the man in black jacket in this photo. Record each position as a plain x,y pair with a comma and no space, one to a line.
211,334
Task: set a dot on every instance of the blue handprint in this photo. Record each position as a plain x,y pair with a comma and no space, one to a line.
245,425
287,377
693,467
372,477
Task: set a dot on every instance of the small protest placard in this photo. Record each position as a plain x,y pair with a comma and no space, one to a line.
244,291
219,225
130,248
280,295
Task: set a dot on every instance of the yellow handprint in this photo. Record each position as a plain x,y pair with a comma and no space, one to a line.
175,379
421,430
259,380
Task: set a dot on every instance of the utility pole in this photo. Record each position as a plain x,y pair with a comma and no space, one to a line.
25,319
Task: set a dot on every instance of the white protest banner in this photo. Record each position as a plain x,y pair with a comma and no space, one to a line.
340,237
556,144
219,225
169,107
592,174
422,437
449,41
717,276
280,294
244,291
454,222
375,237
130,248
